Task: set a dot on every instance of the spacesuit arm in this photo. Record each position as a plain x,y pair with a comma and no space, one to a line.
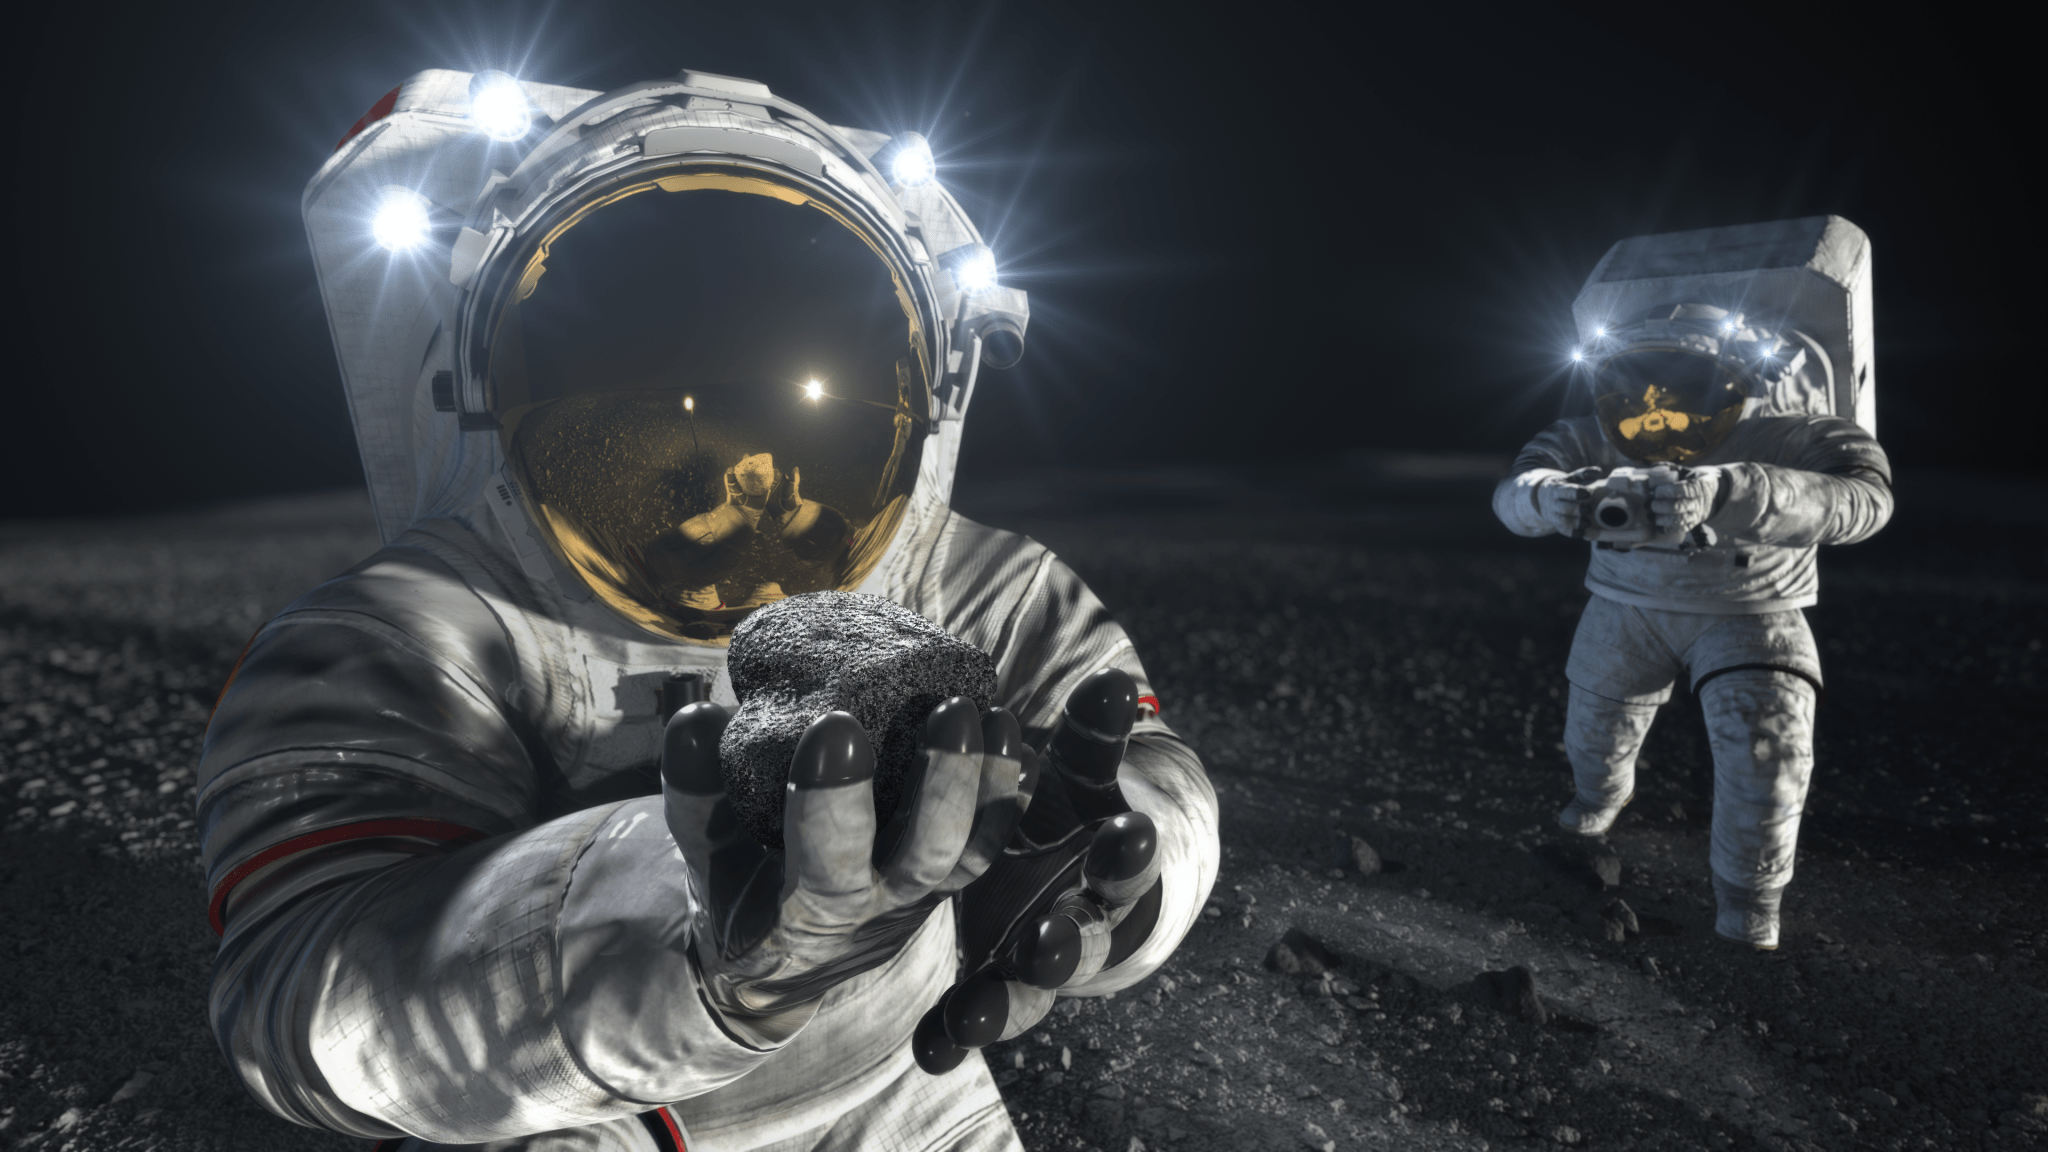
405,950
1831,485
1517,501
1527,499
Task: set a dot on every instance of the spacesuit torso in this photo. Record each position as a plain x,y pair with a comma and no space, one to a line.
1798,482
433,696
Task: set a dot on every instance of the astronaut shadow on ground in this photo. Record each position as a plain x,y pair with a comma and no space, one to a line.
1372,669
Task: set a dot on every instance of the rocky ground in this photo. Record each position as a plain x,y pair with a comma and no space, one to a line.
1372,670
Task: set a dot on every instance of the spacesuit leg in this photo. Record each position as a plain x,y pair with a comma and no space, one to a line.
1760,725
1601,739
960,1111
1620,670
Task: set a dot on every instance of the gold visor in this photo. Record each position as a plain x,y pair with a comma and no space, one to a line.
713,389
1662,406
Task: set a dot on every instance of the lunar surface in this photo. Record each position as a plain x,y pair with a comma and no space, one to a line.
1402,952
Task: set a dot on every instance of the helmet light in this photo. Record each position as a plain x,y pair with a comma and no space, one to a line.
400,222
911,163
498,106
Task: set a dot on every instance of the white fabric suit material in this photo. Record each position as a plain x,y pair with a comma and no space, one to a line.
522,984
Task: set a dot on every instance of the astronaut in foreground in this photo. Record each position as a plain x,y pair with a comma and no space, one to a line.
623,367
1730,375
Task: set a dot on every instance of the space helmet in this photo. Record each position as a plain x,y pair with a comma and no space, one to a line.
1685,334
706,334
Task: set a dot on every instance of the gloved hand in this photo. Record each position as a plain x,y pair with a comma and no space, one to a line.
1681,505
1075,891
776,930
1560,500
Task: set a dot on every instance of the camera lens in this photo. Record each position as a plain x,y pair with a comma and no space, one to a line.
1612,513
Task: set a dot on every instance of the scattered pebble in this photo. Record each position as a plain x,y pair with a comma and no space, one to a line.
1618,912
133,1087
1364,858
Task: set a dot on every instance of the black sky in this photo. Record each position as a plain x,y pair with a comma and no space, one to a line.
1260,234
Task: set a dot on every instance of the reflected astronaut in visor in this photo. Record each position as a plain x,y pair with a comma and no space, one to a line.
1667,406
709,394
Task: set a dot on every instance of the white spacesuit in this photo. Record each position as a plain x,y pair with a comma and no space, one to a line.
1729,370
624,366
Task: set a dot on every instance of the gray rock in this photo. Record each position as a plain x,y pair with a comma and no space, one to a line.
1565,1134
799,658
1876,1097
1105,1115
1363,857
1512,993
1594,864
1299,954
133,1087
1618,912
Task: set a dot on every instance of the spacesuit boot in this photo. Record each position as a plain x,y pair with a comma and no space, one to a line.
1601,739
1760,725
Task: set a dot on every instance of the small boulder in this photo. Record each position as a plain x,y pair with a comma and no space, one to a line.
1618,912
1512,993
1593,864
1299,954
1363,857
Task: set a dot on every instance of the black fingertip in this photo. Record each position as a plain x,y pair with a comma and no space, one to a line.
1123,847
1104,705
954,726
1048,952
934,1050
1136,928
977,1009
833,750
1000,735
689,749
1031,768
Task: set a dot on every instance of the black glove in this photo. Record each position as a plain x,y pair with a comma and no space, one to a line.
1075,891
776,930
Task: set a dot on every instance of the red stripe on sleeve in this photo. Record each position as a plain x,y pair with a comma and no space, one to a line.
453,835
1152,701
378,111
667,1134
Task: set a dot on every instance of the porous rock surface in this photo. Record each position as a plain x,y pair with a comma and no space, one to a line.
800,658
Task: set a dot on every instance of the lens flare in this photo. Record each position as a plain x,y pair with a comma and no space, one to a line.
499,107
401,220
813,389
913,163
977,272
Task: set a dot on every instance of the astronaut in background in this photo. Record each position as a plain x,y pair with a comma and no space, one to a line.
1733,418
